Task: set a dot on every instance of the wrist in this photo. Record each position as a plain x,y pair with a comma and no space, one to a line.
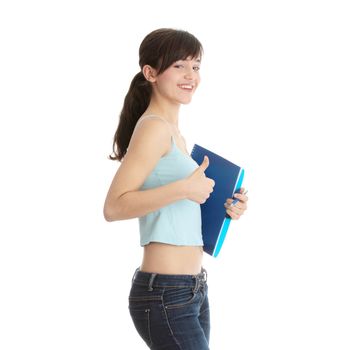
184,188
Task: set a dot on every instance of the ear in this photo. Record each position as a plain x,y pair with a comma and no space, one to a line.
149,73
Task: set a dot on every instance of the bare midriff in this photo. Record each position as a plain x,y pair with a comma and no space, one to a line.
171,259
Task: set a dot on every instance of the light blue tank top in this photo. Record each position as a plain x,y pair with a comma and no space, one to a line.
178,223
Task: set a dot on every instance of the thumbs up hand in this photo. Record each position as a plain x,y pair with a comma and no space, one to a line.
200,186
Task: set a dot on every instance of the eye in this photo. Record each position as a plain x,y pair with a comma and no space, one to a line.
178,66
197,68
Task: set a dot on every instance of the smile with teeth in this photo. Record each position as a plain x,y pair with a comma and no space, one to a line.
187,87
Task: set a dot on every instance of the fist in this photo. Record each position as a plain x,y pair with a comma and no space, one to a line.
235,211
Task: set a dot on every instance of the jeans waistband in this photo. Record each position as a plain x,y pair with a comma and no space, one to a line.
164,280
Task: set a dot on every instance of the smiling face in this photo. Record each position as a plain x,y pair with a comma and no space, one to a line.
178,83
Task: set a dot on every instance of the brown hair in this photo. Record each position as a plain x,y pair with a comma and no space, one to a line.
159,49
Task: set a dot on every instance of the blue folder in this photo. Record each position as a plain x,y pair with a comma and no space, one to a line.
228,179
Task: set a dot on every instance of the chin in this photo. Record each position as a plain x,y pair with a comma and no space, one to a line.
186,101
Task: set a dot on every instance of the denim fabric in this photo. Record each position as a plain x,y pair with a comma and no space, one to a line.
171,311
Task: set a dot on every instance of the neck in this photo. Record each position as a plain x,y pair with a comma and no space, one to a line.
164,109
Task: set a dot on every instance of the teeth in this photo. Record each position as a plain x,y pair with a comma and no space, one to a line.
186,86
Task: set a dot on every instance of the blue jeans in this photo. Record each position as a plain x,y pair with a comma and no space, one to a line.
171,311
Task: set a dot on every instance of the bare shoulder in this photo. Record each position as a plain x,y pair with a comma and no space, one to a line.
150,140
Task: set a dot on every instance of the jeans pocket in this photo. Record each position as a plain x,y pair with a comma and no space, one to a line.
141,320
178,297
142,304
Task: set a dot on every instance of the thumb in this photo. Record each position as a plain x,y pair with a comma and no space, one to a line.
205,163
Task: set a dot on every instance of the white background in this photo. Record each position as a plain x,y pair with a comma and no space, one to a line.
274,98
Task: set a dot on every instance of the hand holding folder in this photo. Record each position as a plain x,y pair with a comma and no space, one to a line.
228,178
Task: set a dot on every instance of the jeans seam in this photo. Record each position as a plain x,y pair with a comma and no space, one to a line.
189,302
168,323
155,285
145,298
149,326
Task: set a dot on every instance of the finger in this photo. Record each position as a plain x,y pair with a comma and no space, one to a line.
229,201
240,205
205,163
233,215
239,208
235,210
241,197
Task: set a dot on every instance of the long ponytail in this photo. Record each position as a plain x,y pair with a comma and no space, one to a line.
135,103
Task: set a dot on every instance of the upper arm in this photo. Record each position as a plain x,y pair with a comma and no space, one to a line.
149,142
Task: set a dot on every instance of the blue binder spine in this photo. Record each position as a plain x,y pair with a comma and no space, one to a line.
227,221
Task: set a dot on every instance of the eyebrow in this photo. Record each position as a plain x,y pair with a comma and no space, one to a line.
187,59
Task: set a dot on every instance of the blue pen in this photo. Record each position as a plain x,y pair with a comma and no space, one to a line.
236,200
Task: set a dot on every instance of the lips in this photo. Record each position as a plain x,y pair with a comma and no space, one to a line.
186,87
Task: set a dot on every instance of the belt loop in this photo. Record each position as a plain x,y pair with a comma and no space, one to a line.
150,284
197,285
133,277
205,273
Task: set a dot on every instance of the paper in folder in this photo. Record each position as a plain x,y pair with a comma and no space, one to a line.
228,179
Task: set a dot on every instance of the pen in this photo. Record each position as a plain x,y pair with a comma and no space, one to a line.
236,200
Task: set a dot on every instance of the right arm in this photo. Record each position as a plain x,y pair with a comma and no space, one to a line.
139,203
149,142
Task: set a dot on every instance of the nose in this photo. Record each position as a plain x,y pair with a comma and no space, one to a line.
189,74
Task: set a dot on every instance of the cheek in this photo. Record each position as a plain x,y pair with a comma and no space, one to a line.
167,75
166,80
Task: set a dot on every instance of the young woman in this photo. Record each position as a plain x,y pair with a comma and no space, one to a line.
159,183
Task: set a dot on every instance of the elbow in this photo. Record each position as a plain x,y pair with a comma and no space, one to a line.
110,213
107,215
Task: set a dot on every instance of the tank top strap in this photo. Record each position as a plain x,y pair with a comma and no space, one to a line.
153,116
159,117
